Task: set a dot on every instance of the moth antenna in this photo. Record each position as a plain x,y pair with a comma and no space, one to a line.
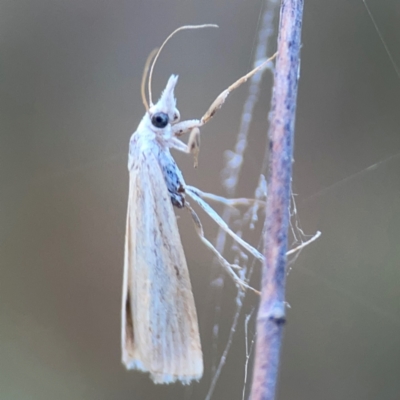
144,76
184,27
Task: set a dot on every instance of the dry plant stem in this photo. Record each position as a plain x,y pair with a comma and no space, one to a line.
271,313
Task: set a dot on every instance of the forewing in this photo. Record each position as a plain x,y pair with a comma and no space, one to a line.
159,321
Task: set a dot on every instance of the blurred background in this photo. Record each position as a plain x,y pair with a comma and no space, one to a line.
70,99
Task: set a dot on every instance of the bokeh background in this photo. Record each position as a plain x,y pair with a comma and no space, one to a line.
70,99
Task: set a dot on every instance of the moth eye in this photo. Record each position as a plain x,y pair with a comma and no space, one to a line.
160,120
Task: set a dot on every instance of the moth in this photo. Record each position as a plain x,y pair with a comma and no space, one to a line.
160,333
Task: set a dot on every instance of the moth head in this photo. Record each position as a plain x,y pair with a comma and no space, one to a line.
164,112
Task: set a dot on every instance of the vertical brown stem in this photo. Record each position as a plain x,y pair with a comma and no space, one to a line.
271,314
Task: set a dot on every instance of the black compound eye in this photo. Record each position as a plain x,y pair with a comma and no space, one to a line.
160,120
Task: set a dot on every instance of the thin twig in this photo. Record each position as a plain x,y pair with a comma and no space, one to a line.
239,302
248,351
271,314
304,244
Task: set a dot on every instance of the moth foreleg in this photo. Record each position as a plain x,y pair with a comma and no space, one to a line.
193,146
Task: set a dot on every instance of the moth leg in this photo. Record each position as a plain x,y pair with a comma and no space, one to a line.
228,267
193,146
180,128
220,100
177,144
214,215
183,127
192,126
242,201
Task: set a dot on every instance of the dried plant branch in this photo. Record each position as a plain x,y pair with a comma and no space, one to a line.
271,313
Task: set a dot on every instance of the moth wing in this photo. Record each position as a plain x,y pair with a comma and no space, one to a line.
159,322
